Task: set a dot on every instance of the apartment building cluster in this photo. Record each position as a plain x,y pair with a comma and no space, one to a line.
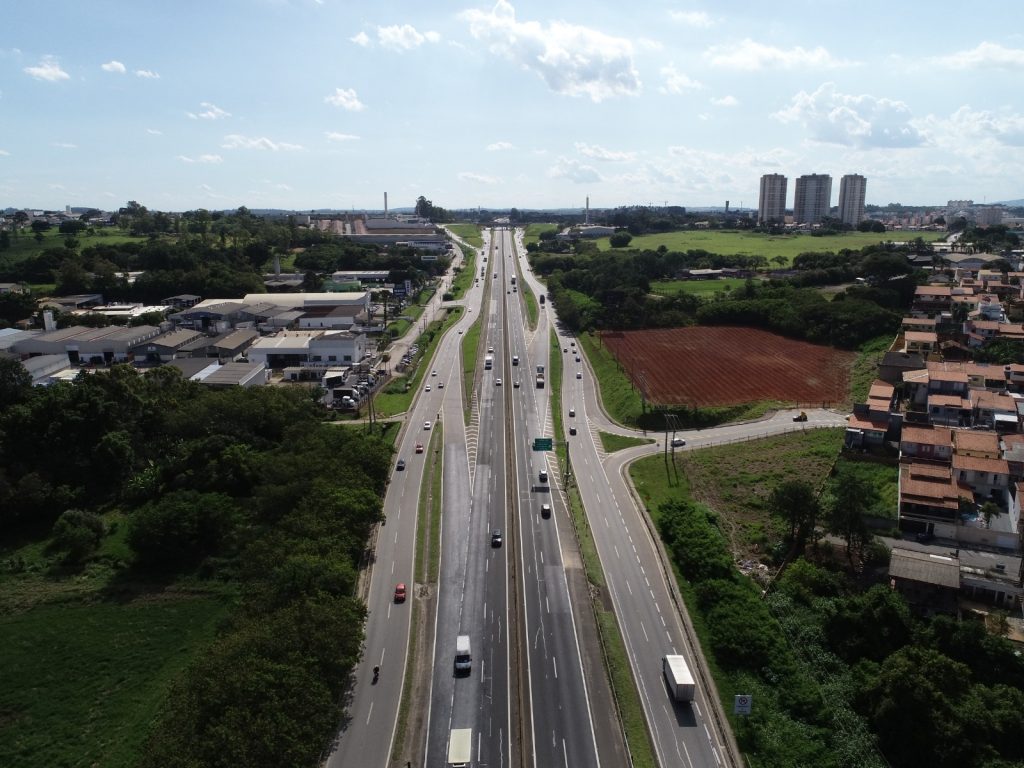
958,426
812,199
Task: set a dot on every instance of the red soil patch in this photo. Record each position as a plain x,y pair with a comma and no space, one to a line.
707,366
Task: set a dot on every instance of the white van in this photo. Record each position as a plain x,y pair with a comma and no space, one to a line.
463,657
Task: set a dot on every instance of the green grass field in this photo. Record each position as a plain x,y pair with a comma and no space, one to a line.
82,683
731,242
470,347
25,246
532,234
612,442
468,232
884,478
702,288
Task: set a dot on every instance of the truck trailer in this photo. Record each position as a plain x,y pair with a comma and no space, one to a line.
460,747
488,362
677,675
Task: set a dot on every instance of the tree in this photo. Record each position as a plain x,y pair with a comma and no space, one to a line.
852,497
72,227
15,383
620,239
795,503
39,226
181,528
77,534
5,240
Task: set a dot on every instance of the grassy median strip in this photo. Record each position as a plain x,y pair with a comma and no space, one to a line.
464,275
427,564
468,232
613,647
612,442
532,310
470,346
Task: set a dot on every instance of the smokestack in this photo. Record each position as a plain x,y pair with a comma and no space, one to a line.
385,205
726,206
586,218
48,323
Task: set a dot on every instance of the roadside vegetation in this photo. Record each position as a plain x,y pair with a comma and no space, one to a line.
702,288
179,569
397,395
839,670
612,442
465,274
865,367
470,350
468,232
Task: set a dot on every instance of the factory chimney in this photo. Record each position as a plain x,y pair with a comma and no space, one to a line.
385,205
586,217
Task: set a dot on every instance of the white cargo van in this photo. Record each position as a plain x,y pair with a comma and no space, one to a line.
463,657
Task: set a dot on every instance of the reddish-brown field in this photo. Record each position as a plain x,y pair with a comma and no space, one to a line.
707,366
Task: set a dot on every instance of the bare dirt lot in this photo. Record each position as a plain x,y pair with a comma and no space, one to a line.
714,366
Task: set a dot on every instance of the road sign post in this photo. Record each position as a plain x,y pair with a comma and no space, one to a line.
742,704
542,443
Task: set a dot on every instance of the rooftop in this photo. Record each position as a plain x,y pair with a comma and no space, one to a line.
925,568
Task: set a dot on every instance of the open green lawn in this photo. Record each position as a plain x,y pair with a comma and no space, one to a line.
83,682
884,478
612,442
24,245
532,234
468,232
702,288
732,242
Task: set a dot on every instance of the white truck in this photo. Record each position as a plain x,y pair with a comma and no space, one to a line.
488,362
677,675
460,747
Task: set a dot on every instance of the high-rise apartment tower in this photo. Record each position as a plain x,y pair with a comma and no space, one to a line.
851,199
771,206
813,198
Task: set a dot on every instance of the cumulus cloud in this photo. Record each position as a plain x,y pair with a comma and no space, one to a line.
335,136
404,37
725,101
479,178
154,132
362,39
499,146
208,159
852,121
147,74
113,66
750,55
597,152
676,82
972,132
210,112
572,60
65,145
984,56
237,141
573,170
345,98
48,69
698,19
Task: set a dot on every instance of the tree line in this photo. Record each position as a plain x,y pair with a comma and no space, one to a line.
243,486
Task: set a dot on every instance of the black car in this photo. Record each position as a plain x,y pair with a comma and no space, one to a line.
400,465
496,537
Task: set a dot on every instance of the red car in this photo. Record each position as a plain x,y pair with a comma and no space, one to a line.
400,593
419,448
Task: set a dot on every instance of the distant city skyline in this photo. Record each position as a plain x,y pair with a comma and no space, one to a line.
301,104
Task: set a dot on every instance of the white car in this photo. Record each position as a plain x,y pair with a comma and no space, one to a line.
497,382
440,385
427,388
426,425
433,373
579,374
572,413
678,442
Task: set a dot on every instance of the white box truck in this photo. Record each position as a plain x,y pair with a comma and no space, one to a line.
463,657
677,675
460,747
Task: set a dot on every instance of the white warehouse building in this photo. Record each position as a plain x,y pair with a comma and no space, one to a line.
312,348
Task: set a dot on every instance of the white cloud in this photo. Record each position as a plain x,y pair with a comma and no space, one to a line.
572,60
676,82
972,133
65,145
853,121
479,178
335,136
698,19
4,153
750,55
362,39
345,98
573,170
154,132
210,112
236,141
432,36
499,146
148,74
596,152
48,69
984,56
208,159
404,37
726,101
113,66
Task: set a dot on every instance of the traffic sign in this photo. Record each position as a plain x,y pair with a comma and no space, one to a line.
542,443
742,704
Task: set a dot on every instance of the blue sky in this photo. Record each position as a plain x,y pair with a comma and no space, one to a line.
320,103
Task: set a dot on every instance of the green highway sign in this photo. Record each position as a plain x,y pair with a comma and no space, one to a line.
542,443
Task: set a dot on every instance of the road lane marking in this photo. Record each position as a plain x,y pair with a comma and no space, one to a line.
369,714
642,627
554,663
